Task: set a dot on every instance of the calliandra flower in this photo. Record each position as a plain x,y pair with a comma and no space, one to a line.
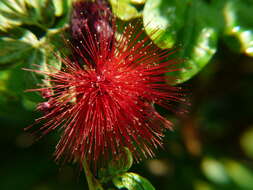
103,98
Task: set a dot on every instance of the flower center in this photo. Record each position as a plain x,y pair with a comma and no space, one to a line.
100,84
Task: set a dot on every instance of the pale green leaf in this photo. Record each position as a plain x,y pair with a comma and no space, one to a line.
215,171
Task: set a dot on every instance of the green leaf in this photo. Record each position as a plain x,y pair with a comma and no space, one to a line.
20,80
205,45
55,39
162,19
198,39
240,174
215,171
32,79
238,20
18,11
247,143
52,63
203,185
61,7
13,32
45,11
138,1
227,171
6,24
132,181
15,50
20,53
124,9
15,81
30,12
54,48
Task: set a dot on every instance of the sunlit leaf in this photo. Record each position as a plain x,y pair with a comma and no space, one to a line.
215,171
247,143
238,19
197,54
162,20
202,185
124,9
198,40
240,174
61,7
132,181
6,24
138,1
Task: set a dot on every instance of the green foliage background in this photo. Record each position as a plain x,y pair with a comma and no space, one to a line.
210,149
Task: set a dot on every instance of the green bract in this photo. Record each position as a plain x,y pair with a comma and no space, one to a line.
122,163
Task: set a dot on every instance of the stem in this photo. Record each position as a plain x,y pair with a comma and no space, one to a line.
93,183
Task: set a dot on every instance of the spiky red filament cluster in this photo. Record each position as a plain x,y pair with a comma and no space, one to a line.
107,103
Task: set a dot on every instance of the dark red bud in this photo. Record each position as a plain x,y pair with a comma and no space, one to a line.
91,18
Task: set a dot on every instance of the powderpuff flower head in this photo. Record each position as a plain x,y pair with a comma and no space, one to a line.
103,97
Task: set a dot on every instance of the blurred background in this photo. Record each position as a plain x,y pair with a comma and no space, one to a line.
211,148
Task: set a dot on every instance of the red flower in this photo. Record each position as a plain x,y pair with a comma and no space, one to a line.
104,101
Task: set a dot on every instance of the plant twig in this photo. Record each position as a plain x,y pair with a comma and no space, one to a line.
93,183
